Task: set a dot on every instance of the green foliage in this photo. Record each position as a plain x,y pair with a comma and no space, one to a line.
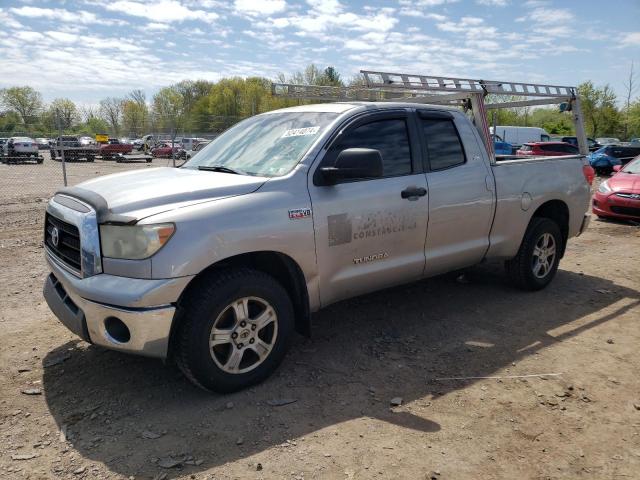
92,126
25,101
601,117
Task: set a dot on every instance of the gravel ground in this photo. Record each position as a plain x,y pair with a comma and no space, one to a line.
562,400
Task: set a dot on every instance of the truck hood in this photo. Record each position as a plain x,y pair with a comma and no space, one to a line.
141,193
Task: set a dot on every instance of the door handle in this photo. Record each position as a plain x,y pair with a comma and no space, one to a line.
413,192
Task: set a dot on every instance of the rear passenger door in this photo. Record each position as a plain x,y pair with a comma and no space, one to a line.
370,232
461,192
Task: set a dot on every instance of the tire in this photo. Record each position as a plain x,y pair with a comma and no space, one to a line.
524,269
40,160
149,160
209,304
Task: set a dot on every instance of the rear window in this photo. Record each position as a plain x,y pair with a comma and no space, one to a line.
443,143
526,148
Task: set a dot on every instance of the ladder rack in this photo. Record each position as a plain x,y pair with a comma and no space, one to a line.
453,84
429,89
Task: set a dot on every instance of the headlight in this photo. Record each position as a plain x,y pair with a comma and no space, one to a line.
134,242
604,187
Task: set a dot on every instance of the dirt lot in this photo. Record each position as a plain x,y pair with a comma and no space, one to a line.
71,410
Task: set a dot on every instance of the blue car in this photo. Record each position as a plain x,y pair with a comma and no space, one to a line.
501,147
604,159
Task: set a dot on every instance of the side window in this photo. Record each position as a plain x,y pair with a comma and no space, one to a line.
443,143
544,137
390,137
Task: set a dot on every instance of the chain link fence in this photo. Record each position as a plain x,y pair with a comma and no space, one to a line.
34,167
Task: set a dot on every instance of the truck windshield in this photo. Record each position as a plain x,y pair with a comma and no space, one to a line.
268,145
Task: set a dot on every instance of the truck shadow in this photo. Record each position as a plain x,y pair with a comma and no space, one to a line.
127,412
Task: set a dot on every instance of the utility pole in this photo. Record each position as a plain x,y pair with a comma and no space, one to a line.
64,165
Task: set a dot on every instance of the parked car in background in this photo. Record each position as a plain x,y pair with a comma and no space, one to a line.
73,149
149,142
137,144
607,140
18,149
500,147
517,136
113,148
619,196
547,149
593,145
199,146
84,141
635,140
189,143
43,143
164,150
604,159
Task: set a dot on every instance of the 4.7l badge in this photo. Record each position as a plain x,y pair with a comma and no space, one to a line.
298,213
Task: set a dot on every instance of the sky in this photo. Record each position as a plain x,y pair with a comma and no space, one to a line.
86,50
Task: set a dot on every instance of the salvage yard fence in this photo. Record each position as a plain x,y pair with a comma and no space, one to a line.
29,175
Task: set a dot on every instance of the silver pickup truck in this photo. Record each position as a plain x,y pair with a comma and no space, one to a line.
216,263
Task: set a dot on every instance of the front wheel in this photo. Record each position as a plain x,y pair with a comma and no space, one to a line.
537,260
234,329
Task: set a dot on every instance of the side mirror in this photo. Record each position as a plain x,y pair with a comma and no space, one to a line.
617,168
354,163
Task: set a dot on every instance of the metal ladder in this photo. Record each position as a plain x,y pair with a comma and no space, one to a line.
430,89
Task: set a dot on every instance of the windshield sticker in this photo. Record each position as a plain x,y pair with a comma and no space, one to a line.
300,132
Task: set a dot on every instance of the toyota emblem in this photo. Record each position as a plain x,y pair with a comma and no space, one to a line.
55,236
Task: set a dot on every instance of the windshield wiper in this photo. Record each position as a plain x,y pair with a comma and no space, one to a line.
218,168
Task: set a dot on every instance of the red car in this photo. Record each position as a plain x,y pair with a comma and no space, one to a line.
547,149
619,196
114,148
164,150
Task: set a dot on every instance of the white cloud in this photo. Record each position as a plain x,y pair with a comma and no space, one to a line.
464,25
7,20
60,14
259,7
493,3
156,27
63,37
631,38
160,11
550,15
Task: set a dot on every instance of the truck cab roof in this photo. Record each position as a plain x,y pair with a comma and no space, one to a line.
341,107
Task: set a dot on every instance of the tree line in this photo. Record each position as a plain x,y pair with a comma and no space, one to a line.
210,107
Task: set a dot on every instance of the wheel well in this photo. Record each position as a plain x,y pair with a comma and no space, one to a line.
281,267
557,211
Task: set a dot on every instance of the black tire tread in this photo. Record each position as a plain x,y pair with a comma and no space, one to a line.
518,268
206,286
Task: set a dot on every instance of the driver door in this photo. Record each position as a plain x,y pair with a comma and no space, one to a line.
370,233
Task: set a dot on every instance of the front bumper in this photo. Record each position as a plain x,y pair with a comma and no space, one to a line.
610,205
97,307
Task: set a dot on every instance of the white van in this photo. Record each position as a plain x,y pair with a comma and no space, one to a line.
516,136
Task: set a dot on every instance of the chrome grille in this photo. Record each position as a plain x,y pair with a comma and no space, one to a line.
63,240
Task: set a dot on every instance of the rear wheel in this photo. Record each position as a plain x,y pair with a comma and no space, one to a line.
537,260
234,329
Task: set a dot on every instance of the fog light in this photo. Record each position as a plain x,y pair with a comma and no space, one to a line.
117,329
